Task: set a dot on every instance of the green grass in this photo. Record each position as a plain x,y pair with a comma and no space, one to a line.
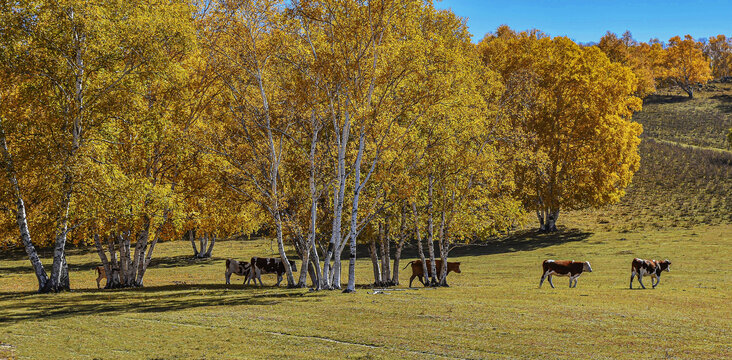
494,309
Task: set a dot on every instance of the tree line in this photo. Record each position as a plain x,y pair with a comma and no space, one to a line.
323,123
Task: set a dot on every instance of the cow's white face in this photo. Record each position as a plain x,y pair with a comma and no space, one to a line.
586,267
668,266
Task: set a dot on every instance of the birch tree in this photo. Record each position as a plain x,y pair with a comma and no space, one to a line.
250,129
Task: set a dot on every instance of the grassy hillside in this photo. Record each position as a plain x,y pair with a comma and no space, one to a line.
494,309
685,175
701,121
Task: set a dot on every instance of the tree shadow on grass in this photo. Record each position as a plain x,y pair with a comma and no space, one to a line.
725,103
160,262
665,99
31,306
520,241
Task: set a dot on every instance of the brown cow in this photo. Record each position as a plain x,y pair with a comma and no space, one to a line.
654,268
418,273
101,274
572,268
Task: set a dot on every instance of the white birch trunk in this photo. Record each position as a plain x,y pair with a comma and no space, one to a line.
20,214
430,233
402,238
192,238
443,250
387,255
419,244
351,287
211,246
375,262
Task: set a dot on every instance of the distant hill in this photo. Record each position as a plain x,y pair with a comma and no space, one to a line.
685,177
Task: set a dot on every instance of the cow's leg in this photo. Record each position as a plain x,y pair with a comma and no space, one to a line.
658,280
549,278
98,280
632,275
546,273
411,279
279,279
640,280
228,277
259,277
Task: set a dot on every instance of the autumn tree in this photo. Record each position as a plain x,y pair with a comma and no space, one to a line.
719,51
575,110
641,58
684,64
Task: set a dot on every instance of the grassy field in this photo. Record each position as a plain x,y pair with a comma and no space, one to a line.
494,309
679,207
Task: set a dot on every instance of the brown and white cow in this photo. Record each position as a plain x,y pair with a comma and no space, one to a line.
570,268
653,268
268,266
241,268
417,271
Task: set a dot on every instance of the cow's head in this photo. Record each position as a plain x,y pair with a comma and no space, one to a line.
454,266
292,265
665,265
586,266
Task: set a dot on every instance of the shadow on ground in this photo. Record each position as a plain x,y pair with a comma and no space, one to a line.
160,262
725,103
665,99
520,241
31,306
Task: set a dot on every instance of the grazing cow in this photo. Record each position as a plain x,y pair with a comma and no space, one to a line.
101,274
268,266
654,268
418,273
241,268
573,269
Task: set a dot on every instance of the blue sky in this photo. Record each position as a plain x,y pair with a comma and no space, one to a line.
588,20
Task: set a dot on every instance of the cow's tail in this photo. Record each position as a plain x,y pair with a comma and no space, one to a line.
409,263
545,266
97,270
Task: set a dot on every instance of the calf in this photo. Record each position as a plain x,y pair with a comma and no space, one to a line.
654,268
418,273
241,268
573,269
101,274
268,266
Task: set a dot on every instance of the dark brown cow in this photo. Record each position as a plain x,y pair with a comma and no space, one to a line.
570,268
418,273
654,268
268,266
241,268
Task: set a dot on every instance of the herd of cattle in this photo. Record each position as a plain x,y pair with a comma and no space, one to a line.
573,269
